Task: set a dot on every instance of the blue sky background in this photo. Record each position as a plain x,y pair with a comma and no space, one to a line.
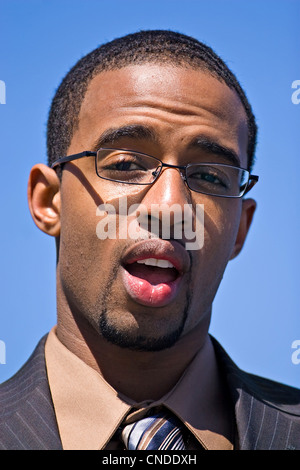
256,314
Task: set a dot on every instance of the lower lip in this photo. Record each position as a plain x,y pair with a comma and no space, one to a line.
148,294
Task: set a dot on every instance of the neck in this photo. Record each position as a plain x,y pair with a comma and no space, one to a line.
138,375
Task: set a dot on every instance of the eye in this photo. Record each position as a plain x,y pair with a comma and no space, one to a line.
206,175
122,163
126,165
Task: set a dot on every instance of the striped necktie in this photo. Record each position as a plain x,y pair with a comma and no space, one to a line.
156,432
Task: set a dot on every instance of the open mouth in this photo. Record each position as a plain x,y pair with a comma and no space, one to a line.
155,271
152,272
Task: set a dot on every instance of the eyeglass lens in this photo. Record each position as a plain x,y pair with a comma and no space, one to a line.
136,168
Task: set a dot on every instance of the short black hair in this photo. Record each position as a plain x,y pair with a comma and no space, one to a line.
151,46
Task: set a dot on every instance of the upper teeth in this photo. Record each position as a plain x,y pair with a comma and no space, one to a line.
161,263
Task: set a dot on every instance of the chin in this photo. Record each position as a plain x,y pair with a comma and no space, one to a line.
136,340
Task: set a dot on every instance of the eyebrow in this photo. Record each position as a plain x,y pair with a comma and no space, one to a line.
213,147
133,131
138,131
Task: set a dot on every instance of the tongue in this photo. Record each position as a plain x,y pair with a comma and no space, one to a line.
152,274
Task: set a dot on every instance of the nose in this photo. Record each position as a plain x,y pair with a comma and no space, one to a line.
165,202
169,188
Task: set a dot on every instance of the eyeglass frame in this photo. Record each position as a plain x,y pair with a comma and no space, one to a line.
252,179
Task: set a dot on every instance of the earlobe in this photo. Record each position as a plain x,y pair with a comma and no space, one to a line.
248,209
44,199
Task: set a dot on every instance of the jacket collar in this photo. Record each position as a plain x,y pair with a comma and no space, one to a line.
265,411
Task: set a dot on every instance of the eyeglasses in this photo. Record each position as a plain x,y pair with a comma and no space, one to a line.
135,168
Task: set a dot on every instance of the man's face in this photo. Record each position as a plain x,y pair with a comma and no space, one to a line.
105,287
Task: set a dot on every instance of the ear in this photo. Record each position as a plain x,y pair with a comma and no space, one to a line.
44,199
248,209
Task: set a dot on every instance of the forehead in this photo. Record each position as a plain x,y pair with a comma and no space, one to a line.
175,102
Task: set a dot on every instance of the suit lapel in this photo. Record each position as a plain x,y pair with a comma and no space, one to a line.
267,414
262,427
28,421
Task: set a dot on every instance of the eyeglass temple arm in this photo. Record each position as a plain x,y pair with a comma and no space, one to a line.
70,158
253,179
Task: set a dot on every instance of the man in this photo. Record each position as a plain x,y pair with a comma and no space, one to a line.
151,122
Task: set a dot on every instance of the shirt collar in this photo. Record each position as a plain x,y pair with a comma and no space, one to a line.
89,410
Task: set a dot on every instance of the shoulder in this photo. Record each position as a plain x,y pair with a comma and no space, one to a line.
276,394
279,395
21,385
27,418
267,413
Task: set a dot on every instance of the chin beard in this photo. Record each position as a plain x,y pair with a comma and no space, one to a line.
124,339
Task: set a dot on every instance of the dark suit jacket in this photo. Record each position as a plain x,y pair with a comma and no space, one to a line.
267,413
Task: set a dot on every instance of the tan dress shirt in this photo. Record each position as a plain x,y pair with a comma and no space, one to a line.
89,411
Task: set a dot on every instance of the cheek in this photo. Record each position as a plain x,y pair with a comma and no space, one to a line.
209,263
86,266
221,223
222,219
80,250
